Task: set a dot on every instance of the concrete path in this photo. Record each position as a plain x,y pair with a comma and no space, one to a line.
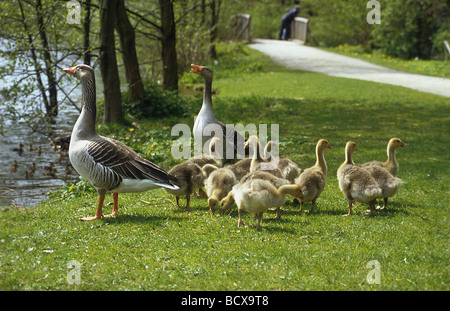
296,56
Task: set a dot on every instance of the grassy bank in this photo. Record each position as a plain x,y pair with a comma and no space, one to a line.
154,245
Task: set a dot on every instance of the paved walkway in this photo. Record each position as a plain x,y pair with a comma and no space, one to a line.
294,55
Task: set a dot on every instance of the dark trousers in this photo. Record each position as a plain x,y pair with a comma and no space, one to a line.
285,30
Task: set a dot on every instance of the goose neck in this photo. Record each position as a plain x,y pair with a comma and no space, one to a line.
320,162
86,121
207,100
391,155
348,156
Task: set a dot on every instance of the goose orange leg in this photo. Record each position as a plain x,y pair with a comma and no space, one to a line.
99,213
115,211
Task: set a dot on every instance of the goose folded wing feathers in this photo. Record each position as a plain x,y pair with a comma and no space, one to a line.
117,157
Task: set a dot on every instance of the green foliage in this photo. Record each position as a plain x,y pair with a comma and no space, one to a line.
157,103
409,34
77,190
408,29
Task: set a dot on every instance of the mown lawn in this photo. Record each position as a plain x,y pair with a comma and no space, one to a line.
154,245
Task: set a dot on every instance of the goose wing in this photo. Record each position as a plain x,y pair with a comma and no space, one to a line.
119,158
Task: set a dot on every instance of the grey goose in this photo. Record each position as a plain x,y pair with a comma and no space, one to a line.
109,165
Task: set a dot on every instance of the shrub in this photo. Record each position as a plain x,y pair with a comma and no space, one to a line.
156,103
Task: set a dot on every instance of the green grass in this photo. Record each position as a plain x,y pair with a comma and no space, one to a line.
154,245
439,68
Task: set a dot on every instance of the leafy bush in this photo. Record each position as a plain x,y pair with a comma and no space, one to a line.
156,103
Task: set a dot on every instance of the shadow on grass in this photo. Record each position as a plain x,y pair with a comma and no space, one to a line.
153,220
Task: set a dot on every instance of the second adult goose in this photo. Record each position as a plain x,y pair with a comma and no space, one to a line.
108,164
233,141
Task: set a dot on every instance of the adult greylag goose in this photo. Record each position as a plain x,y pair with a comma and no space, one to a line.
313,179
258,162
258,195
108,164
356,182
232,140
391,163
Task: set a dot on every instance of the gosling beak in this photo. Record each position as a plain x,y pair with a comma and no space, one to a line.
330,147
70,70
196,69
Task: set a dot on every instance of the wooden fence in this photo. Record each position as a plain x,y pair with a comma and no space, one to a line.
240,28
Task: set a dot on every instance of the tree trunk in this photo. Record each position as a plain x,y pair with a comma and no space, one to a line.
87,29
213,27
168,43
52,108
108,64
128,49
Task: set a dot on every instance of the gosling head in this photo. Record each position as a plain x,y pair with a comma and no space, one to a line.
213,204
351,146
293,190
226,203
395,143
324,144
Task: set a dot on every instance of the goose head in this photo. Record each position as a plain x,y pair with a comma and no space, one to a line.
395,143
204,71
293,190
324,144
81,71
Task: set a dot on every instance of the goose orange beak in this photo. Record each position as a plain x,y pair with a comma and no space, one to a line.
70,70
196,69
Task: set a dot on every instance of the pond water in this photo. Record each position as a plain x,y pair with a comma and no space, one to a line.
26,177
22,186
